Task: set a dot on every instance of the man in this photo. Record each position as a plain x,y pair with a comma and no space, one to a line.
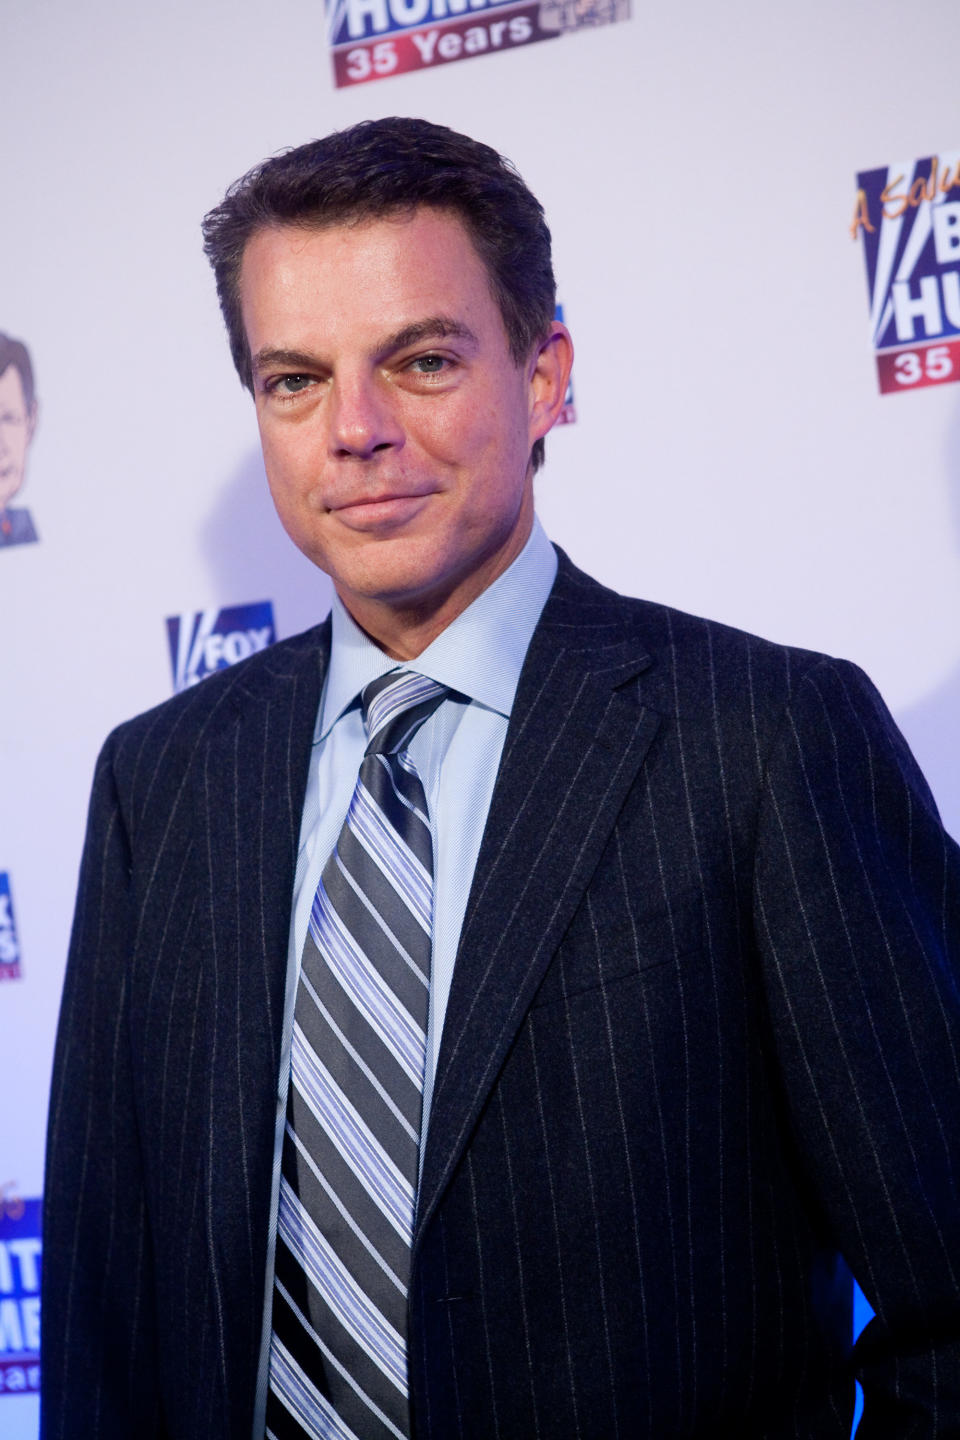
688,1032
18,421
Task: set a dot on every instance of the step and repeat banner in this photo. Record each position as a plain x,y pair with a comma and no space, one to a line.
756,218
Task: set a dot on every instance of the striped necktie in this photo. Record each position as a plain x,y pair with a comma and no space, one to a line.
338,1353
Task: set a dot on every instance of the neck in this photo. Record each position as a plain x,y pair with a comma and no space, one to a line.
404,632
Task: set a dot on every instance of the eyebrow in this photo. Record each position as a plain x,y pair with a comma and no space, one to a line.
434,327
266,358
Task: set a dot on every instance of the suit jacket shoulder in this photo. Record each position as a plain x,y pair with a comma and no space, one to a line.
696,669
155,749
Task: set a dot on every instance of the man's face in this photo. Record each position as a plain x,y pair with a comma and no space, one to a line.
16,432
396,426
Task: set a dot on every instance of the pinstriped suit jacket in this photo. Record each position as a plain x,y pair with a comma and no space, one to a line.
702,1040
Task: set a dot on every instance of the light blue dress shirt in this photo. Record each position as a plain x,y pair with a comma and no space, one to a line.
457,755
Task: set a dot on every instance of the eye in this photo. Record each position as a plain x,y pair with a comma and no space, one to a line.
429,364
291,384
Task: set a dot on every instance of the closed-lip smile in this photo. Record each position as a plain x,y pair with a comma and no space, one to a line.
389,508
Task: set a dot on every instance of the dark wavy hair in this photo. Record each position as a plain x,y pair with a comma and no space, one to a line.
384,167
15,353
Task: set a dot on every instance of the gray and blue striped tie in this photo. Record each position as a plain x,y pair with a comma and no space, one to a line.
338,1354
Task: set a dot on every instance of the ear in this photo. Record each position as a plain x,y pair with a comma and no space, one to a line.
32,421
549,369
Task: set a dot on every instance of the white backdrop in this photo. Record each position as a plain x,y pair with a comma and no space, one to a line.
732,454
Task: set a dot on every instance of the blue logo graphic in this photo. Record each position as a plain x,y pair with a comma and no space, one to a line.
209,640
908,218
20,1251
9,944
371,39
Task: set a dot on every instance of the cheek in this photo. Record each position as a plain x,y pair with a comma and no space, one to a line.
14,450
440,436
460,429
290,461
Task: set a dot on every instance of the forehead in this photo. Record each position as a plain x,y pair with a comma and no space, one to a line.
379,273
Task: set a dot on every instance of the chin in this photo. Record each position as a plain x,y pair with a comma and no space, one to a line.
400,590
391,569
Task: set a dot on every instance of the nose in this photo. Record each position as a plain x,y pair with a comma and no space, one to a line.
363,421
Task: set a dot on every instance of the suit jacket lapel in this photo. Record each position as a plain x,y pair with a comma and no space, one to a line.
253,779
575,742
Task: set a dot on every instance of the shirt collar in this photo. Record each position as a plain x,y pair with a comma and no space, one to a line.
480,653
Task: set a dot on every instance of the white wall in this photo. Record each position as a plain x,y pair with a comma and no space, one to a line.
731,455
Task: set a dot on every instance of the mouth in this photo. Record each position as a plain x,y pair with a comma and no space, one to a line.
376,512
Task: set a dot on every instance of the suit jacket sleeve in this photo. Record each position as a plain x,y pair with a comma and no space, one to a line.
98,1374
857,900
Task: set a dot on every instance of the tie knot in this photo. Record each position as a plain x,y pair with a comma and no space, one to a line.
395,706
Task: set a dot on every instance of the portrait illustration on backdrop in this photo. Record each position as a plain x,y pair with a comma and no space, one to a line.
18,423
